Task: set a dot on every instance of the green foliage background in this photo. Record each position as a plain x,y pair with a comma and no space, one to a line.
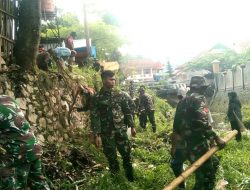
151,158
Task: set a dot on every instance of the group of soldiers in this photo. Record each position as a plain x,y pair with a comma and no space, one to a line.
144,106
111,115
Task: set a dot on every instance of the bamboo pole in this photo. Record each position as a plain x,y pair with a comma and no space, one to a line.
198,163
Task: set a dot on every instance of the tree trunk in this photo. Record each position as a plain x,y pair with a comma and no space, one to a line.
28,35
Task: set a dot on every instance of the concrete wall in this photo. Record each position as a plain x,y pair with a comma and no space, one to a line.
234,79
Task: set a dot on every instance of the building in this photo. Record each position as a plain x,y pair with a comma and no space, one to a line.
184,76
142,70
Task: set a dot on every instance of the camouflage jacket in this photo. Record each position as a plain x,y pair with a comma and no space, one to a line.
146,102
234,106
110,111
131,90
16,137
191,119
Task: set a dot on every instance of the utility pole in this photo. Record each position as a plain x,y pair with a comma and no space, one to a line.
86,30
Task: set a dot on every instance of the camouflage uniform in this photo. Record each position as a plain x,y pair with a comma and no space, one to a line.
20,164
131,89
234,107
146,110
110,117
191,125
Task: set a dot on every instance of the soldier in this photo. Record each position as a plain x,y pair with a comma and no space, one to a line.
191,133
20,155
110,117
234,110
146,109
131,89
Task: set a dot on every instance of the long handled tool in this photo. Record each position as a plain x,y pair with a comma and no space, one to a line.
198,163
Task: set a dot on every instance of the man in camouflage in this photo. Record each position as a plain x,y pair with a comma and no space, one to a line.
192,134
146,109
20,155
131,89
110,117
234,112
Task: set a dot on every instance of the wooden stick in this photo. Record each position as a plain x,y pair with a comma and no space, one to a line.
198,163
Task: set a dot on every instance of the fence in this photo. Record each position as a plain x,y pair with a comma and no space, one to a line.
233,79
8,27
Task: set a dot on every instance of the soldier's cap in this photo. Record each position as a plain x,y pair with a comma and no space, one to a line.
232,94
142,88
198,82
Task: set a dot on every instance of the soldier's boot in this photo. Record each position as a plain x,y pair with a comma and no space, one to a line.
154,129
130,174
114,168
177,167
129,170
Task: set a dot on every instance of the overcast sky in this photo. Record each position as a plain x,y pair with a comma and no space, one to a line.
175,29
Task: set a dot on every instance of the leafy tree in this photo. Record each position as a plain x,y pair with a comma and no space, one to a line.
28,35
104,35
227,59
65,24
169,69
107,40
109,19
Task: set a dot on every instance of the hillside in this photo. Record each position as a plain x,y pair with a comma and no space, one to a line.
72,162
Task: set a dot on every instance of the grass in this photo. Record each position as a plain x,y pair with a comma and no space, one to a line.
151,158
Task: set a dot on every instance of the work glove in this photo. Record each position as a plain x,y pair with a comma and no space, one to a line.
220,143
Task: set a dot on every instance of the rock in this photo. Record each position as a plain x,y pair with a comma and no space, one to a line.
32,118
8,86
49,121
47,94
22,103
42,122
65,105
53,99
30,77
50,139
10,93
31,109
50,114
3,66
25,92
30,89
40,139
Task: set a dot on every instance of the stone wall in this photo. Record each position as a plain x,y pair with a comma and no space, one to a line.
46,99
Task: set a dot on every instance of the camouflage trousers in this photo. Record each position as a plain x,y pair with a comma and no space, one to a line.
144,116
22,176
118,140
235,125
205,176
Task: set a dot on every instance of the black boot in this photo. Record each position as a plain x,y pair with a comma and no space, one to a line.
154,129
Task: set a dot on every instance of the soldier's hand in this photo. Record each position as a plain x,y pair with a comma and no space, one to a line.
220,143
133,132
98,141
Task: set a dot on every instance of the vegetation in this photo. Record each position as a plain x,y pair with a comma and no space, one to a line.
79,164
169,69
104,33
227,57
